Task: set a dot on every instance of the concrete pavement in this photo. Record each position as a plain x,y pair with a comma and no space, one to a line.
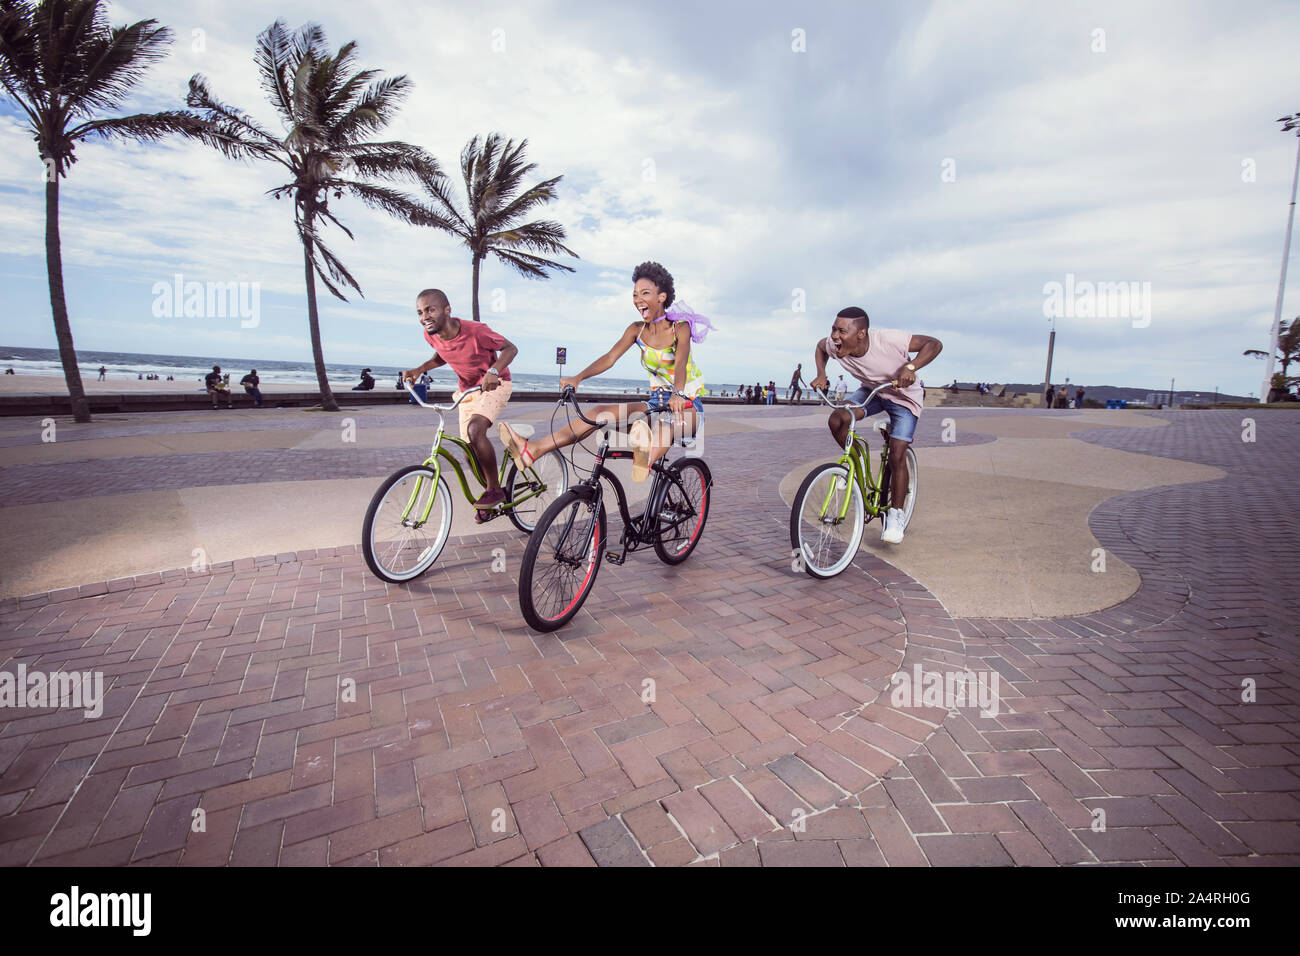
317,715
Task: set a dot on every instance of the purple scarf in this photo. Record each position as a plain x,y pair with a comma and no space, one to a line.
681,312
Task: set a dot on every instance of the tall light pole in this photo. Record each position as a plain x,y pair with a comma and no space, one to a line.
1051,344
1288,123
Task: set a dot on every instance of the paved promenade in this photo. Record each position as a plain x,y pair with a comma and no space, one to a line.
278,705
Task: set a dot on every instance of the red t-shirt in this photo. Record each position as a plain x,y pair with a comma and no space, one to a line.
471,353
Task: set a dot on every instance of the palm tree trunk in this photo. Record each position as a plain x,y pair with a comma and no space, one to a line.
476,271
327,402
59,305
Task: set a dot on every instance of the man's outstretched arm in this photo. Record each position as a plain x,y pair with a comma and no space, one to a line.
927,349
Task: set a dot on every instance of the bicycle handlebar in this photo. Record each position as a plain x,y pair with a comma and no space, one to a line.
862,404
570,395
440,408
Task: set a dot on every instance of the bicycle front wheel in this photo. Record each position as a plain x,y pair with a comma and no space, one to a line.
826,520
683,510
407,524
545,481
561,561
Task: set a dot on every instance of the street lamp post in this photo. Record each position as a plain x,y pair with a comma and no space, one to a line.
1288,123
1051,345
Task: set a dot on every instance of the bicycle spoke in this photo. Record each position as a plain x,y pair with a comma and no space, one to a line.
826,521
407,525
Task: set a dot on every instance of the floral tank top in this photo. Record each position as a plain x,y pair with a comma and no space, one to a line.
661,364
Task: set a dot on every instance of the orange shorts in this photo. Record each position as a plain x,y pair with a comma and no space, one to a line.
488,404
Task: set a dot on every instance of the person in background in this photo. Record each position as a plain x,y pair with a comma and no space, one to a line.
1078,397
103,371
250,383
217,387
367,381
796,381
1049,397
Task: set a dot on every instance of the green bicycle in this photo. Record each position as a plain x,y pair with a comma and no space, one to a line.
409,518
838,498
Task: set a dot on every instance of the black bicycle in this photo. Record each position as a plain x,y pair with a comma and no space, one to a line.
565,549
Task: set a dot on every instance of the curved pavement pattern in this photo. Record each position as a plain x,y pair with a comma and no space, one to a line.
730,711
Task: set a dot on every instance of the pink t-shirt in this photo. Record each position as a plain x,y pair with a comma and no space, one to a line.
471,353
886,354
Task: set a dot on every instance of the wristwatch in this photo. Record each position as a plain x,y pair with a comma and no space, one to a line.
494,372
910,367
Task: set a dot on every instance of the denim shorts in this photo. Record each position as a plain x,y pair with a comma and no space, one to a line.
902,421
658,400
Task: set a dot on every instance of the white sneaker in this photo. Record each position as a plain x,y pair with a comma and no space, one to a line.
892,533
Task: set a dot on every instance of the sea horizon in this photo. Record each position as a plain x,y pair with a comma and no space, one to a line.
341,375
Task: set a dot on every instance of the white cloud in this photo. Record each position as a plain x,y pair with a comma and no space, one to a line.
772,171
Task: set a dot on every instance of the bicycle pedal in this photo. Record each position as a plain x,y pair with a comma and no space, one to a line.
613,557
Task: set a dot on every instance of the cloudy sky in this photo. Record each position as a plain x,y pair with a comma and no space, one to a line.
938,164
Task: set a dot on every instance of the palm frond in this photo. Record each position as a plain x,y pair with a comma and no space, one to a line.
274,46
373,111
511,168
238,134
530,266
439,191
20,62
541,236
152,127
397,204
116,66
391,161
539,195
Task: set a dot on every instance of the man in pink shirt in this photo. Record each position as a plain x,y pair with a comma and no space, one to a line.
471,350
873,357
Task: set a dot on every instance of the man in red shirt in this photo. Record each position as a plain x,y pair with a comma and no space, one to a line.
471,350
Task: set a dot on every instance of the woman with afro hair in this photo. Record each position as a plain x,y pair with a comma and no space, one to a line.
664,335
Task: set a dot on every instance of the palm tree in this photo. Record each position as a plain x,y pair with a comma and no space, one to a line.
63,64
1288,347
493,173
327,112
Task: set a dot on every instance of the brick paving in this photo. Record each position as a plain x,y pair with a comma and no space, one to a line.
727,712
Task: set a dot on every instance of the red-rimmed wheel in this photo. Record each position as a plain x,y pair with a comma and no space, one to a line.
683,508
561,561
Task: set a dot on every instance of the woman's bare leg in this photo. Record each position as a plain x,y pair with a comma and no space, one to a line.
576,431
665,434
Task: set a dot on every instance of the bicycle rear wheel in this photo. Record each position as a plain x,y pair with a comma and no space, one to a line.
824,542
913,486
551,473
683,511
398,540
561,561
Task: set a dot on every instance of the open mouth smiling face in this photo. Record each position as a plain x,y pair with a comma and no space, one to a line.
648,300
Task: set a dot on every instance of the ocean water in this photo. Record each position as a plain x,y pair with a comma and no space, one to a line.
128,365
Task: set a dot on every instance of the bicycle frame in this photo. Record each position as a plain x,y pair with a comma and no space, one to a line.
642,530
438,452
856,460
